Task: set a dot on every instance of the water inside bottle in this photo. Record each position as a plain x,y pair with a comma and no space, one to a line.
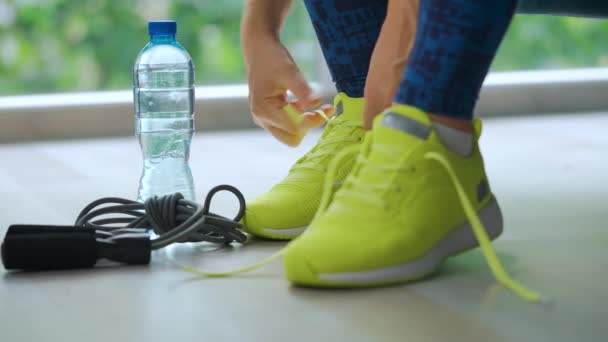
164,124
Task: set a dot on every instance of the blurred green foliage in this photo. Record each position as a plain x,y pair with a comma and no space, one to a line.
78,45
551,42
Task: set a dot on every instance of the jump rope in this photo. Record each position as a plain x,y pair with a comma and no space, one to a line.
119,229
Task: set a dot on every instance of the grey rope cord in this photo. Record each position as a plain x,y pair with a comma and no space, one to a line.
171,217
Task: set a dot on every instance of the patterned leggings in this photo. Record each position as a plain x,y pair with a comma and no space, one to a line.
456,41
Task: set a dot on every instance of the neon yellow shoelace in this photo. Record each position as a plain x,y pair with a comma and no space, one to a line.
372,194
498,270
492,259
338,132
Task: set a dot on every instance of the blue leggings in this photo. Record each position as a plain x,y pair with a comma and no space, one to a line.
347,31
456,41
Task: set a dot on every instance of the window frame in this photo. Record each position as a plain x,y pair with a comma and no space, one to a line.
225,107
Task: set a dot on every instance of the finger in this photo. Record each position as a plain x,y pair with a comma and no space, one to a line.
299,87
257,121
291,140
273,113
312,120
302,107
328,110
316,118
319,116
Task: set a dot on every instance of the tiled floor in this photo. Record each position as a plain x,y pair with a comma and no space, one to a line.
549,174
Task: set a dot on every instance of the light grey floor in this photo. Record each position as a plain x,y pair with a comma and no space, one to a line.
550,175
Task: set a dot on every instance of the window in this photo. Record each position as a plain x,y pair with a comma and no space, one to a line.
552,42
82,45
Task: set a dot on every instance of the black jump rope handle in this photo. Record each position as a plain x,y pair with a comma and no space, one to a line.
39,247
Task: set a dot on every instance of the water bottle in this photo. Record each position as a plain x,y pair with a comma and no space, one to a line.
163,90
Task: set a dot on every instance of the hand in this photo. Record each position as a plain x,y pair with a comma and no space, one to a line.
271,71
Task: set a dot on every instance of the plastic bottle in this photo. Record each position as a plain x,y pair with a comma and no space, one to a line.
163,89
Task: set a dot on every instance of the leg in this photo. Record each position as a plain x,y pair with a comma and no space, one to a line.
347,32
390,57
456,41
366,45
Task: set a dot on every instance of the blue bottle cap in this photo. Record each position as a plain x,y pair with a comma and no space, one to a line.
162,27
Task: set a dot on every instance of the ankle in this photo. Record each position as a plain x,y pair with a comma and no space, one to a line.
459,124
370,112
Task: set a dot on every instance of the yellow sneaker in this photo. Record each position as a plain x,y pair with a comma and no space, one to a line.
285,211
399,214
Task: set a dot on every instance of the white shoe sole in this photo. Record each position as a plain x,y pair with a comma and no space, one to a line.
458,240
286,233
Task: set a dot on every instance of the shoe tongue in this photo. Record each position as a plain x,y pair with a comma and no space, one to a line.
395,133
348,108
402,124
